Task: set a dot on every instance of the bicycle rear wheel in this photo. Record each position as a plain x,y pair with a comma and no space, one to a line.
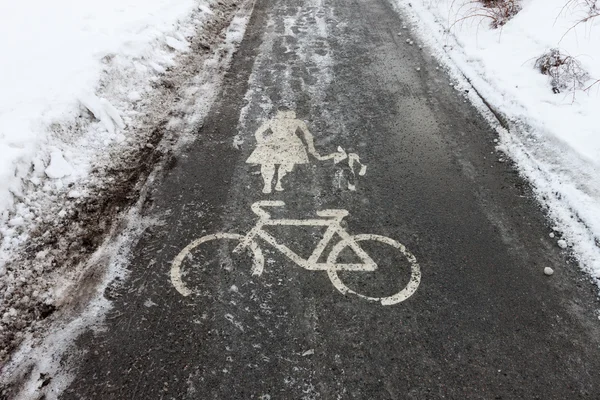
176,269
398,297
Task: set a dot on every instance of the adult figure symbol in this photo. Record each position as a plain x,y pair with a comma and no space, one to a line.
279,147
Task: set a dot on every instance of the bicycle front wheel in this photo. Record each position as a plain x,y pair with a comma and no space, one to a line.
200,246
400,260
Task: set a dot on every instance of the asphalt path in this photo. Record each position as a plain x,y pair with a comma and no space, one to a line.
463,311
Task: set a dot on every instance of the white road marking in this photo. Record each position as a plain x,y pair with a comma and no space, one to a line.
277,144
329,218
176,278
404,294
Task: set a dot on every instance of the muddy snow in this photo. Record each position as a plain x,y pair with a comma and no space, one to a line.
67,232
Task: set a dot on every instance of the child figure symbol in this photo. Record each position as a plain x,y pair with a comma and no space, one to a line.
280,148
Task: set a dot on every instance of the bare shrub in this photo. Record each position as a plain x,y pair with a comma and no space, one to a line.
565,72
592,5
586,10
498,12
502,10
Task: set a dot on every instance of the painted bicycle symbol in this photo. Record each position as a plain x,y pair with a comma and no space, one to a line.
331,219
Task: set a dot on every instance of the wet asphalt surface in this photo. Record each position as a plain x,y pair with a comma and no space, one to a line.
485,322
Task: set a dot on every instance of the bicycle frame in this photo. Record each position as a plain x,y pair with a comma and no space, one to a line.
332,221
329,218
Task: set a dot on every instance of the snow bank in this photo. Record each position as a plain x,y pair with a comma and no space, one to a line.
45,362
555,138
70,71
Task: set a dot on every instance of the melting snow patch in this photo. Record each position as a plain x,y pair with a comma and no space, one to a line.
205,9
103,111
176,44
134,96
59,167
74,194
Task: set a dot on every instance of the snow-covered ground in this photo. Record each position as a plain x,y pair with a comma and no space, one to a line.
54,56
554,138
94,98
96,106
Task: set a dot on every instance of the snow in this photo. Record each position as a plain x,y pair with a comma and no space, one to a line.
70,77
553,138
103,111
59,167
58,59
47,348
176,44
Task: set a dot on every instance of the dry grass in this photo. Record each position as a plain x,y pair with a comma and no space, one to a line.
501,10
587,89
587,9
497,12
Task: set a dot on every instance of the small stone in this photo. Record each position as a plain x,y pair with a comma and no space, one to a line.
548,271
551,234
562,244
418,68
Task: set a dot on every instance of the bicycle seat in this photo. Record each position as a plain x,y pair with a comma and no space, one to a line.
257,207
332,213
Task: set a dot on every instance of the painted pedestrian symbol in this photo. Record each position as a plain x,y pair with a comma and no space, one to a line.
280,148
332,219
